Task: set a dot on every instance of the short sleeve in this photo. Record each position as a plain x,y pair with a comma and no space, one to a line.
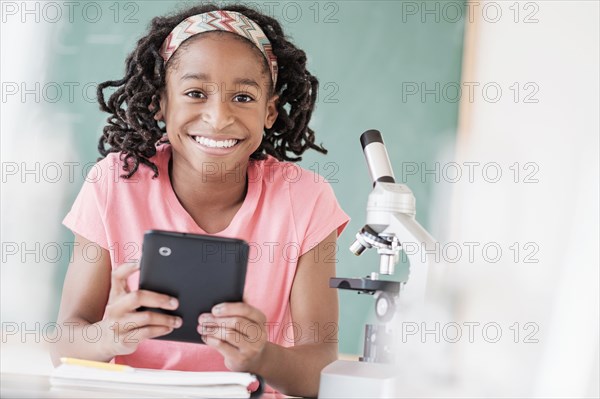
316,210
87,216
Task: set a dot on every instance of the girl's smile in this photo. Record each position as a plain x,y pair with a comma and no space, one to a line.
217,146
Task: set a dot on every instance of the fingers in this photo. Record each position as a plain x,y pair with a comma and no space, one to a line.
149,318
241,353
118,283
226,349
235,322
239,309
149,332
149,299
129,326
130,302
122,300
236,330
135,327
232,329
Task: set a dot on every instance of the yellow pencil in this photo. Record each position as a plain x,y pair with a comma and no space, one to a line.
94,364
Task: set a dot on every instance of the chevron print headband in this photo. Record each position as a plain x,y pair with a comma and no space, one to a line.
229,21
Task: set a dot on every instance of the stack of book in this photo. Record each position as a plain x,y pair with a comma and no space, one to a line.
88,375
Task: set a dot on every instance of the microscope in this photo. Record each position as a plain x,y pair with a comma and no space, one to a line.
390,224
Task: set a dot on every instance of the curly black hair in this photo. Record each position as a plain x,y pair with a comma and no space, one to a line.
133,131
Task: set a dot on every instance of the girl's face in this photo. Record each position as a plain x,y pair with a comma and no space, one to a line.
215,105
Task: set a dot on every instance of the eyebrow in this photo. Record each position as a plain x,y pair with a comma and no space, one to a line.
194,76
203,76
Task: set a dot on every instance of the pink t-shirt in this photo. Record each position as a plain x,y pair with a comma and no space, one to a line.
287,211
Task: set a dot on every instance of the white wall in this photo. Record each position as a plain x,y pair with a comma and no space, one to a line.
541,292
33,135
559,136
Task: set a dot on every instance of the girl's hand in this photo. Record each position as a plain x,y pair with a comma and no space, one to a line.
124,327
237,331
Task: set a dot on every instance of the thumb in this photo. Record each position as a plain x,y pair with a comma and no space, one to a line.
119,277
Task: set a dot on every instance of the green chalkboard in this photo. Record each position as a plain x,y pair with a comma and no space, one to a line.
381,64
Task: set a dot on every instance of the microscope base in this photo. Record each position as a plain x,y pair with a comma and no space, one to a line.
351,379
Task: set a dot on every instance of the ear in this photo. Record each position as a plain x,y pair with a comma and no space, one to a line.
272,112
159,116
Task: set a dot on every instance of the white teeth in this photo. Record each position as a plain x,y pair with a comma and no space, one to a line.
215,144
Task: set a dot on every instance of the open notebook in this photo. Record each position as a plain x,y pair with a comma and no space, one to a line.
78,374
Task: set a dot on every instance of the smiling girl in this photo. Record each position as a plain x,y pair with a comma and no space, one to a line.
214,105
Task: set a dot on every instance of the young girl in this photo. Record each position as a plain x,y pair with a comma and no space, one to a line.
214,101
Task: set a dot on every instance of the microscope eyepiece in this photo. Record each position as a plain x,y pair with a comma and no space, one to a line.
377,157
370,136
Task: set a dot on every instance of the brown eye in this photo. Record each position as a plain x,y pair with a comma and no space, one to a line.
195,94
243,98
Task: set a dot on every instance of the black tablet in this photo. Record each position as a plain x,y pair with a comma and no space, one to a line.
199,270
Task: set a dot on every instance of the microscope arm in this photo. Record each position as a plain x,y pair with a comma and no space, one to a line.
415,240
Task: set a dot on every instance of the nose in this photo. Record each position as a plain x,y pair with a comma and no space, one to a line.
217,113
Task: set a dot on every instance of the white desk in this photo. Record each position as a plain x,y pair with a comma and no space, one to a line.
38,386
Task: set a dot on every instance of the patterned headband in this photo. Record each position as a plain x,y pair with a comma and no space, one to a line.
229,21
